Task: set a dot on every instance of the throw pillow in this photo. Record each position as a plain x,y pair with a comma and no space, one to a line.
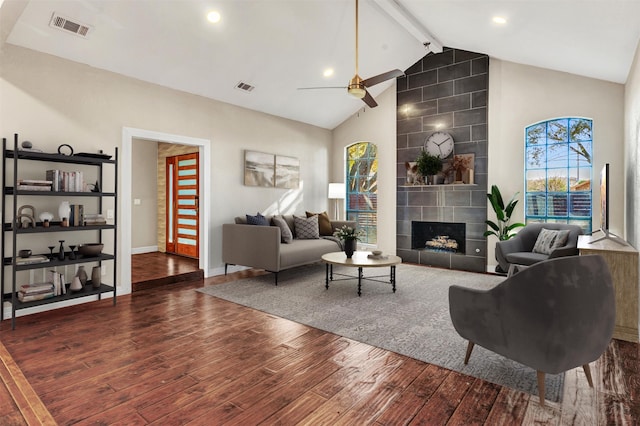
258,219
307,228
549,240
324,223
285,233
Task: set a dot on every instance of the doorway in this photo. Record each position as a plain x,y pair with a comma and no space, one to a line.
182,198
142,135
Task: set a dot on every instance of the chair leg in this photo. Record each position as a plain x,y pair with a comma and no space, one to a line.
468,354
587,372
541,387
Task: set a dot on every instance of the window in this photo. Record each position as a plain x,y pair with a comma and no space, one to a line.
558,162
362,188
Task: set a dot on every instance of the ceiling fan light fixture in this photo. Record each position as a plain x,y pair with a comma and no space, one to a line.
357,91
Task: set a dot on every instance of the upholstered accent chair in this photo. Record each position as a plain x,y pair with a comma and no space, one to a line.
519,250
556,315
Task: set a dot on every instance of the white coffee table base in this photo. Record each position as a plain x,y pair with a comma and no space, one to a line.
360,261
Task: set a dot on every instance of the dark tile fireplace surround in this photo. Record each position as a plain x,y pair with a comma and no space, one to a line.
443,92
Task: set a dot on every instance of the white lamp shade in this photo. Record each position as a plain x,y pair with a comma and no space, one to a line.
337,191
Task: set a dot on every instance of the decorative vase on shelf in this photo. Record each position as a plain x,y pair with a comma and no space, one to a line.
82,275
61,250
350,247
76,285
64,210
95,277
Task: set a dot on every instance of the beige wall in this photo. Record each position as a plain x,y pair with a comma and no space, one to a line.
143,216
378,126
520,95
51,101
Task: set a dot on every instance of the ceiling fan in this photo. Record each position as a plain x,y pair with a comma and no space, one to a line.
357,86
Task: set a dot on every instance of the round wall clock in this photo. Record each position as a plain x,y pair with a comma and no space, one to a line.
439,144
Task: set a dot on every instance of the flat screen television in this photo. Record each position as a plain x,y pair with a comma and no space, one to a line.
605,207
604,198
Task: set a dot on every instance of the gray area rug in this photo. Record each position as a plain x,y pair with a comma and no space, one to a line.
414,321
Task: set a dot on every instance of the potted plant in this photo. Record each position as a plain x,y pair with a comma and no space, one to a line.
349,236
428,165
502,229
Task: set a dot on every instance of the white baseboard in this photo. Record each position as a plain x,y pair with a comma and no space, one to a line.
230,269
140,250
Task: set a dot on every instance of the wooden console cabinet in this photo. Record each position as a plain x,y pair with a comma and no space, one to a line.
623,265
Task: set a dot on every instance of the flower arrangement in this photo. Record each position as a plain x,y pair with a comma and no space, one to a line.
348,233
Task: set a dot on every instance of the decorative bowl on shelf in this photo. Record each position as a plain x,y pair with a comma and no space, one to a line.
24,253
90,249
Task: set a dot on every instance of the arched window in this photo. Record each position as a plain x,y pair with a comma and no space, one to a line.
558,170
362,188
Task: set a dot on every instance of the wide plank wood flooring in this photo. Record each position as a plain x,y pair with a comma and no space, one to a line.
173,356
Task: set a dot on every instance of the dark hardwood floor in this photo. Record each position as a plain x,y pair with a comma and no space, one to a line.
150,270
172,356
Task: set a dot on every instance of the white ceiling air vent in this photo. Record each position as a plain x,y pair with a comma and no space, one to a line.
244,87
69,25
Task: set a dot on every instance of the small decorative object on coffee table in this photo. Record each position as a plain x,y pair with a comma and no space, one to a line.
350,237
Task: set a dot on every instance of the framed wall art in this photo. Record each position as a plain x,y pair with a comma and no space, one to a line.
259,169
287,172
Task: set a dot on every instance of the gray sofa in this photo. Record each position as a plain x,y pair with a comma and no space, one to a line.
261,247
519,249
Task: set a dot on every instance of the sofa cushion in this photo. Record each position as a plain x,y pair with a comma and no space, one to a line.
324,223
549,240
258,219
292,225
285,233
307,228
303,252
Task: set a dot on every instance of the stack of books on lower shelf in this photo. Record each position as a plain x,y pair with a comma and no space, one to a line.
38,291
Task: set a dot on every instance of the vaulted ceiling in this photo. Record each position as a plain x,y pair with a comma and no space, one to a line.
278,46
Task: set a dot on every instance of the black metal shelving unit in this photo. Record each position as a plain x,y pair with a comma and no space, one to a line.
9,259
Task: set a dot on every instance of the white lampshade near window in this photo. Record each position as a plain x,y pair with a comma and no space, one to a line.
337,191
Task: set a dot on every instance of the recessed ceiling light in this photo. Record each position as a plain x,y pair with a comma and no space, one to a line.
328,72
213,16
499,20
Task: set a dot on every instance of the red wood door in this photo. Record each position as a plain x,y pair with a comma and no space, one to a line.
183,205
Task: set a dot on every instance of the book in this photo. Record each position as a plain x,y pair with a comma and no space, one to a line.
31,259
35,182
31,297
23,187
36,288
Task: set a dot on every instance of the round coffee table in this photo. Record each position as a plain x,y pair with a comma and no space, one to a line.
360,260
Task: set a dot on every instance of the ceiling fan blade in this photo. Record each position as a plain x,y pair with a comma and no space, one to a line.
372,81
322,87
368,99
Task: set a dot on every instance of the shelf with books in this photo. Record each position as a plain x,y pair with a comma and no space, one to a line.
52,263
56,227
54,175
10,191
87,290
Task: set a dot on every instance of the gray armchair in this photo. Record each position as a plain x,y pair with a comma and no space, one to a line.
519,249
553,316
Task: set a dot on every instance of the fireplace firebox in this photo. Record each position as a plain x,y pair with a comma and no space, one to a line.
445,237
